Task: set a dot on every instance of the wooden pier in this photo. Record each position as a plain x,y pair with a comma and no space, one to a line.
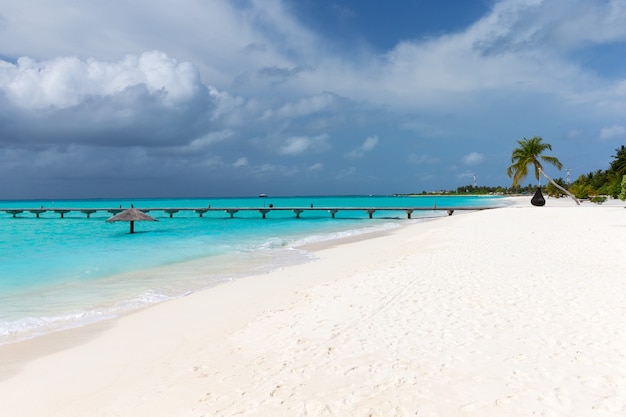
264,211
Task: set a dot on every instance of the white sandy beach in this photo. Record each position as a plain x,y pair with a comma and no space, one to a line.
518,311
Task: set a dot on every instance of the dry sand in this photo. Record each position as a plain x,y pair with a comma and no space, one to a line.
519,311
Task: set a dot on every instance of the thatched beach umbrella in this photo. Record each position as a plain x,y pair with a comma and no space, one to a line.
131,215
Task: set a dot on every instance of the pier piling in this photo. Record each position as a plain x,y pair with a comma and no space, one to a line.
62,212
171,212
231,212
88,212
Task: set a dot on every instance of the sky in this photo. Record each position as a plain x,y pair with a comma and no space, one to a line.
202,98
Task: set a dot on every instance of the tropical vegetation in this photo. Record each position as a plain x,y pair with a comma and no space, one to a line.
595,186
608,182
530,153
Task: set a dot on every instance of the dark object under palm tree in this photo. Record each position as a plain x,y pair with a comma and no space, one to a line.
528,153
538,199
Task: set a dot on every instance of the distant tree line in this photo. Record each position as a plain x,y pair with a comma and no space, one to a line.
485,190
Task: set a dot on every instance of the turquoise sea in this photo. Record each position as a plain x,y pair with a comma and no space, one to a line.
58,273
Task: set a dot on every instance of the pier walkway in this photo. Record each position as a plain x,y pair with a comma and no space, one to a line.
233,210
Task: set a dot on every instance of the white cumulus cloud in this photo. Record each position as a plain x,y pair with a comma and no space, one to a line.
367,146
299,145
68,81
318,166
613,132
473,158
241,162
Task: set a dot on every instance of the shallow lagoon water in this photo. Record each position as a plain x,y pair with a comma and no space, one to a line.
64,272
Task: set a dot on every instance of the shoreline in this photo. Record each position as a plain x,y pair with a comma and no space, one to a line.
449,317
139,288
18,352
186,269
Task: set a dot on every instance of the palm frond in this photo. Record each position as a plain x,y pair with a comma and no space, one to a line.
552,161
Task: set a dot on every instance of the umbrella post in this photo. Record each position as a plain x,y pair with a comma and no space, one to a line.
132,227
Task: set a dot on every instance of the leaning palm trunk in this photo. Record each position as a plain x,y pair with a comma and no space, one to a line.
559,187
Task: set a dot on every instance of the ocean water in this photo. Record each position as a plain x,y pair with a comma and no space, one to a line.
58,273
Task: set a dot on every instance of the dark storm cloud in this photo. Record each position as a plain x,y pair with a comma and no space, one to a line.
149,101
131,117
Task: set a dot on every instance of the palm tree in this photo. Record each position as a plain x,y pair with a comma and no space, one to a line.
530,152
619,164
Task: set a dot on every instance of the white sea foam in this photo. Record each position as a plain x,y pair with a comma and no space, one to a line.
344,234
32,326
28,327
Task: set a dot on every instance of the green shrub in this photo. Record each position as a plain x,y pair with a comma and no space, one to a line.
581,190
622,195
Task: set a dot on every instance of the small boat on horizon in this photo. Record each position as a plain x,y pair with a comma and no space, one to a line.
262,195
